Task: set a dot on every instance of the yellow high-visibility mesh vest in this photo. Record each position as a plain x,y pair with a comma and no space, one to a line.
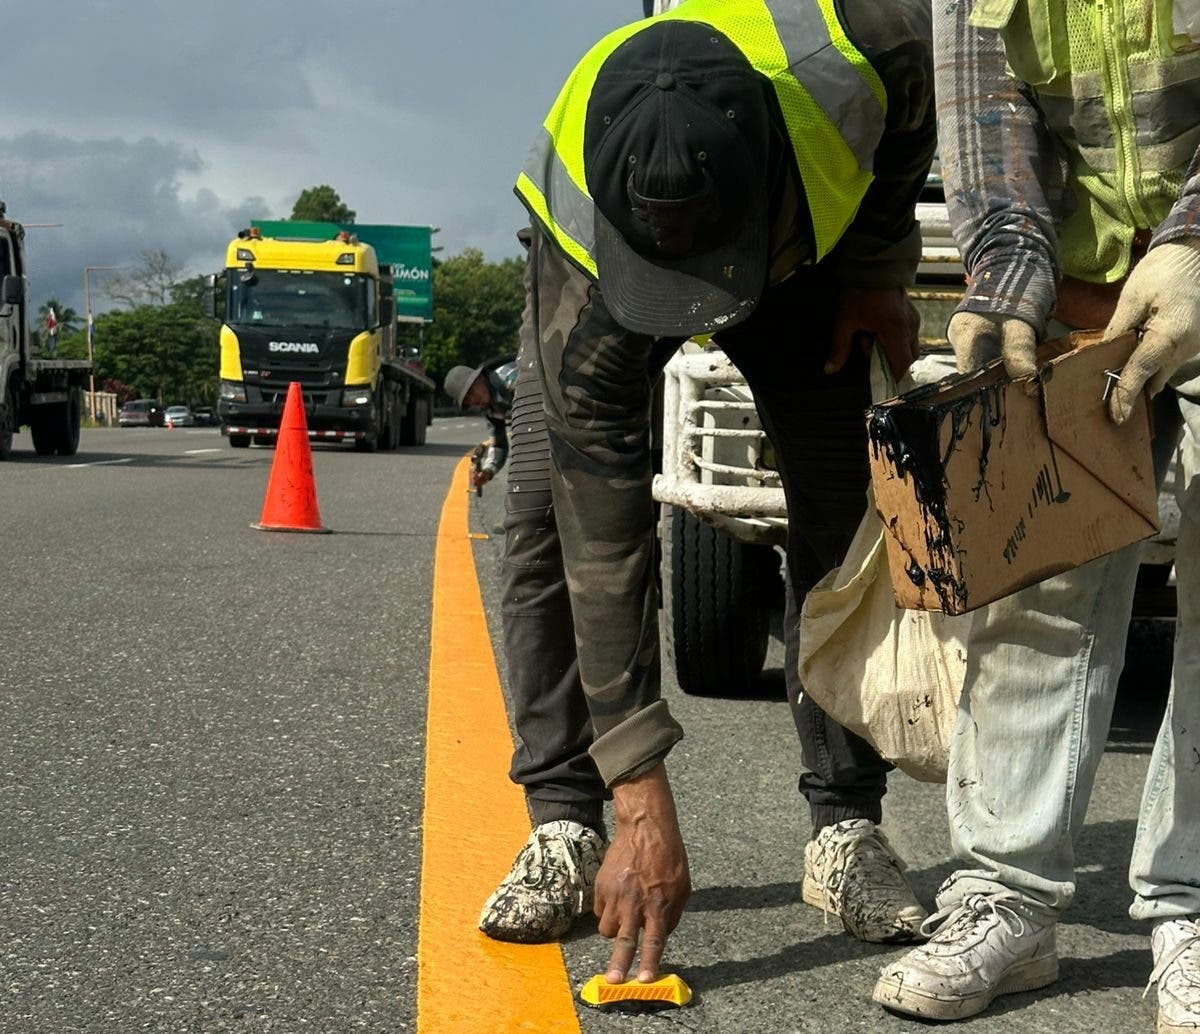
801,48
1116,81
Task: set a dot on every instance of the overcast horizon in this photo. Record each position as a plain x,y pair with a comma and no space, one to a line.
141,126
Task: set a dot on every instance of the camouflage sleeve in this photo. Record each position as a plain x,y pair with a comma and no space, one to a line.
596,388
1005,175
1184,218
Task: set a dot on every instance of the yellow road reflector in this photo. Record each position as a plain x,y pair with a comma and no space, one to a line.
478,535
668,989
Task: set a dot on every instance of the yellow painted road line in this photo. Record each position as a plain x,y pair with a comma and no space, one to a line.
475,821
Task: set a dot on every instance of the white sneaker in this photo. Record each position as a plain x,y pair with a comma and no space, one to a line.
851,870
988,945
1176,947
549,886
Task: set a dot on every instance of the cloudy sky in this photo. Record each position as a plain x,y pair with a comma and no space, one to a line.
144,124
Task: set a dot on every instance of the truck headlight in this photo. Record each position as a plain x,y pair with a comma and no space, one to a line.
357,397
233,391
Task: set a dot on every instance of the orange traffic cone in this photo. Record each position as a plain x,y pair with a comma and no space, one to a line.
291,502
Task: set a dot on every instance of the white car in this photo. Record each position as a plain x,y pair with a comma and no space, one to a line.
180,416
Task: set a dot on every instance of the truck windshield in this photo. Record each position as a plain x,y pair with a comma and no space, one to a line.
302,298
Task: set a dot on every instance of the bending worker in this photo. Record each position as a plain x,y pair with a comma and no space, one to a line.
489,388
746,169
1073,183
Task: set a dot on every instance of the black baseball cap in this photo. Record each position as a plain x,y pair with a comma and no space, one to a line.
676,152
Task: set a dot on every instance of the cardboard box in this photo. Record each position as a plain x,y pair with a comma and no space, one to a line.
986,485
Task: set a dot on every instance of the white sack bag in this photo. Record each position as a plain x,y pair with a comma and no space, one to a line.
892,676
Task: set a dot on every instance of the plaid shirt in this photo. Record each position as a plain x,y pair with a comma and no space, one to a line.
1006,177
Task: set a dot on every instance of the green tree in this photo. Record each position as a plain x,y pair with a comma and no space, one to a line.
322,205
190,293
68,321
166,352
476,311
161,345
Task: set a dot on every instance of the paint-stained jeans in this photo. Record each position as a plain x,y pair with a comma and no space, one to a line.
597,380
1042,671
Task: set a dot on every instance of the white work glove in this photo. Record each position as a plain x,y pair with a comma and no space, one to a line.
1162,296
978,339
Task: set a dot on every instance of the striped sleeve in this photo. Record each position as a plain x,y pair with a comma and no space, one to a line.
1184,218
1005,175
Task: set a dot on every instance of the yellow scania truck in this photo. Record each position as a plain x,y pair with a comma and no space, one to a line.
321,312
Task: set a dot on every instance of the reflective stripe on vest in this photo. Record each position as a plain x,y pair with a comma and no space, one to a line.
832,100
1121,90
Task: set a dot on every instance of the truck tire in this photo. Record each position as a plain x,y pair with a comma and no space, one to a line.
8,424
68,425
239,441
44,423
717,598
421,420
265,440
412,426
389,432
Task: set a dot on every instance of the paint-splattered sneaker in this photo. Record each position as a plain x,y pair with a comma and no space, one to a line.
851,870
985,946
1176,946
549,886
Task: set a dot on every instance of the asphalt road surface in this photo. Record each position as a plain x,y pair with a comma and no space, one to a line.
211,773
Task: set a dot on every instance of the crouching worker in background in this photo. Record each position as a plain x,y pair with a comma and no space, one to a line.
487,388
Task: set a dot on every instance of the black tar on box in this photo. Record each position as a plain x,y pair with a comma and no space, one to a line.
985,488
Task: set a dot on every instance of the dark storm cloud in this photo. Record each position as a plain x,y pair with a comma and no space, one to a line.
223,67
415,112
114,199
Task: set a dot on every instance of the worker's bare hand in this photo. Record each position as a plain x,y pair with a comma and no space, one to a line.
481,477
644,882
875,315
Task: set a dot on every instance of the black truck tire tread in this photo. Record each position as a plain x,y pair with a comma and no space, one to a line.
8,424
412,425
43,428
68,424
719,613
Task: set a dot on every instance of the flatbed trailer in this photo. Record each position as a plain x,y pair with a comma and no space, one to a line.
42,393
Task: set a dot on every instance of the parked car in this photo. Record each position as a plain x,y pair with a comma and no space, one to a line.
206,416
180,416
141,413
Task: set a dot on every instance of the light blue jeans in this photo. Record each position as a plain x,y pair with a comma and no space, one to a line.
1042,671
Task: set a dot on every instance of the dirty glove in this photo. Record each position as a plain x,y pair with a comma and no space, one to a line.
1162,296
978,339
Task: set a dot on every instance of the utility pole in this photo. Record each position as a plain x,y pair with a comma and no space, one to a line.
87,315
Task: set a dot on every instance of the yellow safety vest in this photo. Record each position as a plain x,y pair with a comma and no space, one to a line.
1119,84
832,100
